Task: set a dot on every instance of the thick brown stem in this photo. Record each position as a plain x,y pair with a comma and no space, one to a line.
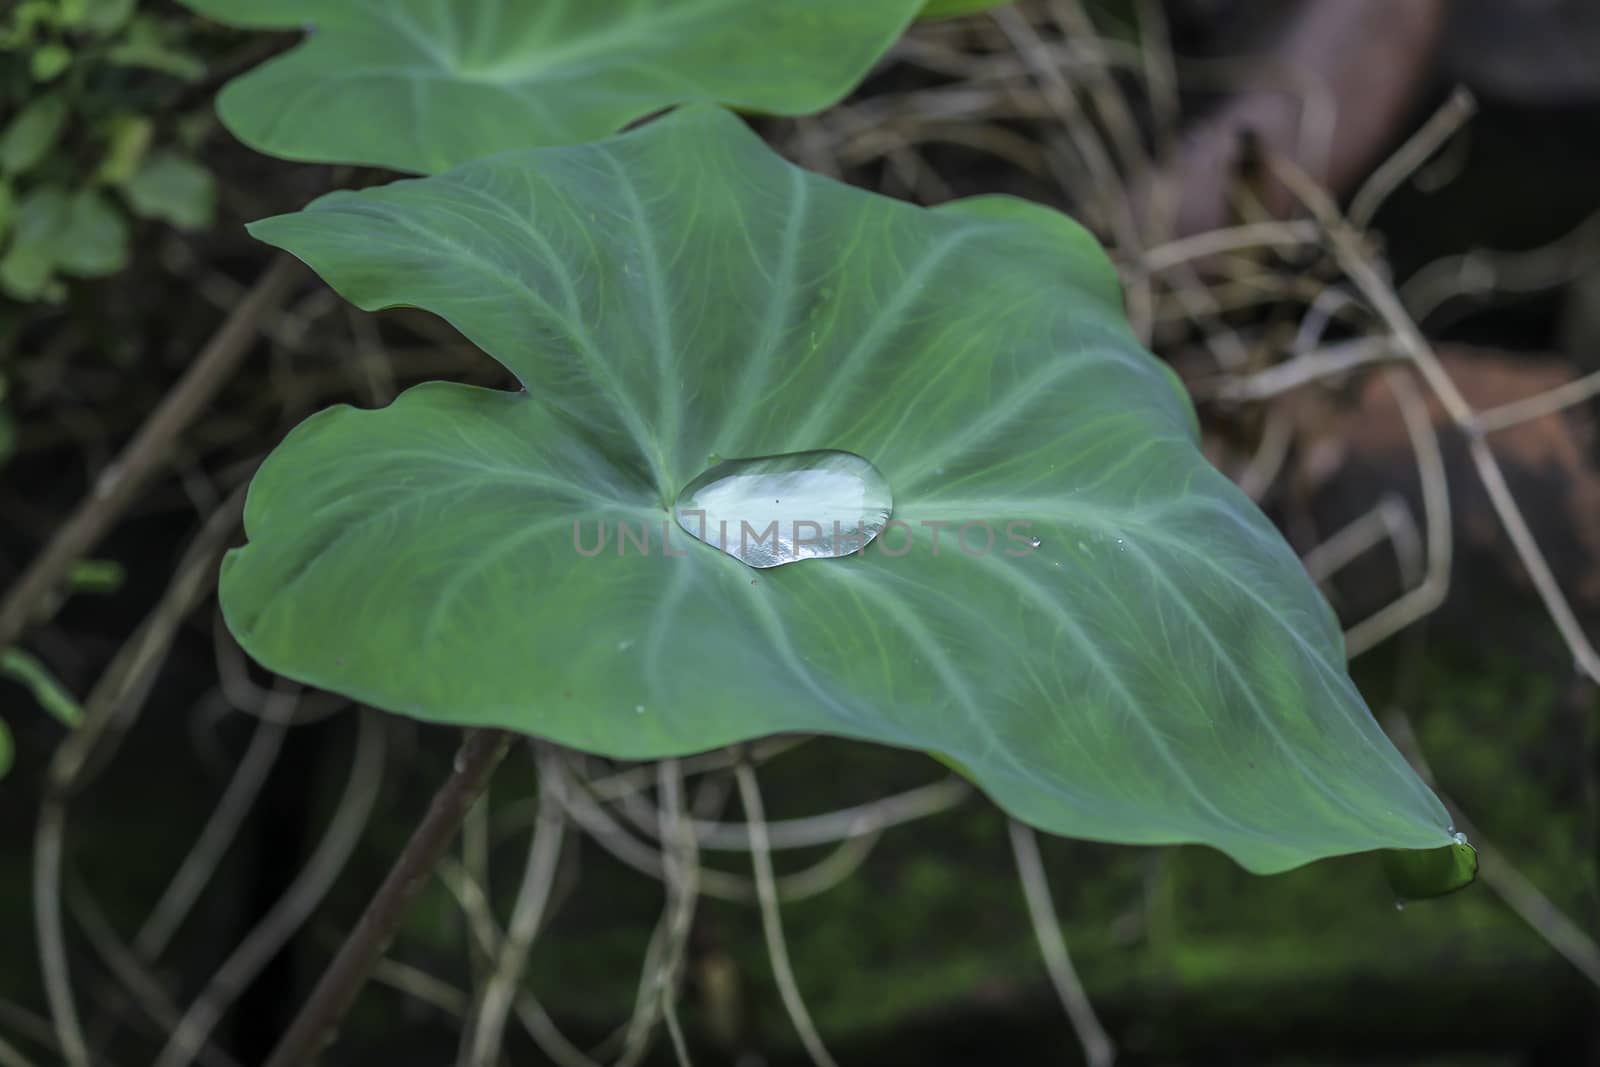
1359,64
481,751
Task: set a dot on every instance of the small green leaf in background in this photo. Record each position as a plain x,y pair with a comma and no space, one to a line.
28,266
147,44
31,15
944,9
96,576
94,241
173,189
127,139
8,749
105,17
50,693
1417,875
424,86
1142,659
26,273
29,136
49,60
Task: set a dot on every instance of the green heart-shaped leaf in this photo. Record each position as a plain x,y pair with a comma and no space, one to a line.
420,85
1157,668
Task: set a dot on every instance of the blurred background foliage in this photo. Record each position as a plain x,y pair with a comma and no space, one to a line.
101,130
94,137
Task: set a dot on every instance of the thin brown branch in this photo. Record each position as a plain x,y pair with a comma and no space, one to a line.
1483,272
194,873
1098,1050
831,828
1304,369
1423,598
291,910
544,852
1429,138
1291,235
772,920
1548,402
481,751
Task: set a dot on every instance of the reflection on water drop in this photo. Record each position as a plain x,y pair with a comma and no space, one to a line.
1399,905
1034,542
772,510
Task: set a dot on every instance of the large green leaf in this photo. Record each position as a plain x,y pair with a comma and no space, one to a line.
1157,669
421,85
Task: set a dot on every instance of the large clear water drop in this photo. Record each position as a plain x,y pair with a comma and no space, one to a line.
773,510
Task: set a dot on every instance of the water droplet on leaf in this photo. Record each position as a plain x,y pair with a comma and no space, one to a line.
773,510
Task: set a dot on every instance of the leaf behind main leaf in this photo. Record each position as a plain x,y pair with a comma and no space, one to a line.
419,85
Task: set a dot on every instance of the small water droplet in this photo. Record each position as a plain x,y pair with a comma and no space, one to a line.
1399,905
638,709
1459,837
825,504
623,646
1034,542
